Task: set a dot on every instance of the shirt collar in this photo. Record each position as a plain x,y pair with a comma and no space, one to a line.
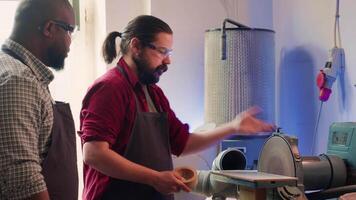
39,69
131,76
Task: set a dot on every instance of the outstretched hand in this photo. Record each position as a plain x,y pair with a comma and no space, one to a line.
246,123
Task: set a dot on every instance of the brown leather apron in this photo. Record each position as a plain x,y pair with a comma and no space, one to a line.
148,146
59,168
60,165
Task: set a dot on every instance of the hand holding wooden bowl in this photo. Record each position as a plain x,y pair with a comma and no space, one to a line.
189,175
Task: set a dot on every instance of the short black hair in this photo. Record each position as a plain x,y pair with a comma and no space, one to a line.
33,13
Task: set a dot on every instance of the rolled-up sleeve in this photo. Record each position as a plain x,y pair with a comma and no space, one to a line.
20,115
102,113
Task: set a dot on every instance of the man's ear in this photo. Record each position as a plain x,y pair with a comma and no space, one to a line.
47,29
135,46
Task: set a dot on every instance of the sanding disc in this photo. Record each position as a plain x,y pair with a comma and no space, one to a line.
276,157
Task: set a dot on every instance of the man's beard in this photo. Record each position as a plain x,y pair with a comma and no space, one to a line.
55,59
145,74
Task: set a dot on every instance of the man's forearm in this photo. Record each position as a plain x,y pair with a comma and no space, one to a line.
108,162
201,141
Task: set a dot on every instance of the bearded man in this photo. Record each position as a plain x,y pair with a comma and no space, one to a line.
128,129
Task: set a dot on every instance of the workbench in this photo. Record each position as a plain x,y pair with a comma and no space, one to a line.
253,185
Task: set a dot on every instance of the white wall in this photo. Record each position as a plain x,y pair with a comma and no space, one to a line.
120,12
95,21
7,16
304,34
255,13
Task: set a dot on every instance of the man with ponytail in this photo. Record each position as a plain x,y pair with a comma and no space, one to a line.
128,129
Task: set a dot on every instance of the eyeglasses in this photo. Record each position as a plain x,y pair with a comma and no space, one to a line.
70,29
162,50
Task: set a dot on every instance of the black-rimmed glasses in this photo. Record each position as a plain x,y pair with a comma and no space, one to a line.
70,29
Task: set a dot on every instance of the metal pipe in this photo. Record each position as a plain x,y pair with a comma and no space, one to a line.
230,159
223,35
323,172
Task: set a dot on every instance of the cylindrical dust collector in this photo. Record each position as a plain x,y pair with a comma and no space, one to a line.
245,78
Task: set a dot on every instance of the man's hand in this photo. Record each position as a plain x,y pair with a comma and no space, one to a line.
247,123
168,182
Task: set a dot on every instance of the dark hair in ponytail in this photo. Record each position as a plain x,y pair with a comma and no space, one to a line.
109,47
143,27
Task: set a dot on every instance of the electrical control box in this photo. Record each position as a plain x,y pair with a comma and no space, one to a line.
342,143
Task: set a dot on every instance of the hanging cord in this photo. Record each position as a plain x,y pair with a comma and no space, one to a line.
337,35
236,14
316,129
337,44
231,8
224,4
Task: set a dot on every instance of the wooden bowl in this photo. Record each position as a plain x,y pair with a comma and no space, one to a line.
189,175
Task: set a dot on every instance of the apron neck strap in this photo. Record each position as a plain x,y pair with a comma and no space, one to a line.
133,90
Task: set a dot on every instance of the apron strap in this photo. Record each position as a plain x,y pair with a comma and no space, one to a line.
127,78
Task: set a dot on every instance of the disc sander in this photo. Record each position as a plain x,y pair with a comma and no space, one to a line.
276,157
